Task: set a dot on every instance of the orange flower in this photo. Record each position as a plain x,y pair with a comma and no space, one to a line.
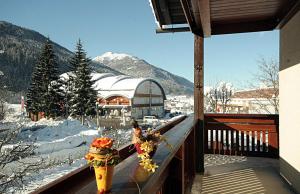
103,142
89,157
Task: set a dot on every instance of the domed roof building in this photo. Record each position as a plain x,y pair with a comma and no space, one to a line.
138,96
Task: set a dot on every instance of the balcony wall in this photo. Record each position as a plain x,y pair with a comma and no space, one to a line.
289,87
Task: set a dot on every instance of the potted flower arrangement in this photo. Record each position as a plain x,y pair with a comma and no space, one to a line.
103,158
146,146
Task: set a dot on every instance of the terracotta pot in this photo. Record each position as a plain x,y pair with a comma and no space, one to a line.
104,177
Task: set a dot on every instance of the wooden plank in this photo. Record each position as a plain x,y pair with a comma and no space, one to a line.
240,120
263,141
288,13
227,142
204,10
196,16
248,142
212,148
253,141
205,140
217,151
242,6
232,142
172,30
240,127
199,100
259,143
187,13
254,26
164,8
242,142
222,142
237,143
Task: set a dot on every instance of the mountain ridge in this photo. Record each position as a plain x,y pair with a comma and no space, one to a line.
20,49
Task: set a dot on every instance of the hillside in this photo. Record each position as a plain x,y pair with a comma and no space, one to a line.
19,51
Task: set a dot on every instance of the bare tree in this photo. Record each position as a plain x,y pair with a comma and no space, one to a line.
220,94
13,168
268,95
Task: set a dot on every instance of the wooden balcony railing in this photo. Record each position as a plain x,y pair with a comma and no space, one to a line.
77,180
255,135
242,134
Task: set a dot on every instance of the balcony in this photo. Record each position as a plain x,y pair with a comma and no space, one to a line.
241,156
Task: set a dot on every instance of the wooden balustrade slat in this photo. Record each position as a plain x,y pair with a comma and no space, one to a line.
242,142
253,141
237,142
263,141
247,139
222,142
227,142
217,142
211,141
232,142
205,141
258,136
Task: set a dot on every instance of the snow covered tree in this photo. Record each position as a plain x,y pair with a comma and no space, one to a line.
83,97
220,94
45,93
35,92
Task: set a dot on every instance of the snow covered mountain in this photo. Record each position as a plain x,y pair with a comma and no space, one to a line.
19,52
133,66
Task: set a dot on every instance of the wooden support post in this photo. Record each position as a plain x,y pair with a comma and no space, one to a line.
198,102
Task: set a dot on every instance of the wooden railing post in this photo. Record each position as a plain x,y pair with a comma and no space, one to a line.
198,102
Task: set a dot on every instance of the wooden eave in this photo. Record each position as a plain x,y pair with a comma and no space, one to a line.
213,17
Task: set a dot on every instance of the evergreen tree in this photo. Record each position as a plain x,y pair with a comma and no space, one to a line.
83,99
34,94
45,93
52,86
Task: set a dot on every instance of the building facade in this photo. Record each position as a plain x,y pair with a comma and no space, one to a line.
133,97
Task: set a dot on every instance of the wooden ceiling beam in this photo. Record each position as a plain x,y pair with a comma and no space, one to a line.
188,15
165,11
294,9
172,30
204,10
255,26
196,15
156,12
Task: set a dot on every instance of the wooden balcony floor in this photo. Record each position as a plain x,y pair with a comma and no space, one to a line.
239,174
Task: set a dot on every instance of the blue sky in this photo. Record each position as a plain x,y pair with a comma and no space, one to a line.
129,27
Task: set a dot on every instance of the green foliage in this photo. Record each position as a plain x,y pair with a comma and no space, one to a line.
100,163
83,96
45,93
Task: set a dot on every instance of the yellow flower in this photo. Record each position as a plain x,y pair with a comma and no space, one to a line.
147,146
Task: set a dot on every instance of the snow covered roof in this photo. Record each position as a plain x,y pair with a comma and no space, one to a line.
108,84
117,85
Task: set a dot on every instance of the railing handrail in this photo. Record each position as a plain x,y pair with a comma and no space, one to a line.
163,157
85,171
261,130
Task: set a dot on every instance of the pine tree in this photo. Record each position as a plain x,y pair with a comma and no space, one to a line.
83,99
35,92
52,86
45,93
